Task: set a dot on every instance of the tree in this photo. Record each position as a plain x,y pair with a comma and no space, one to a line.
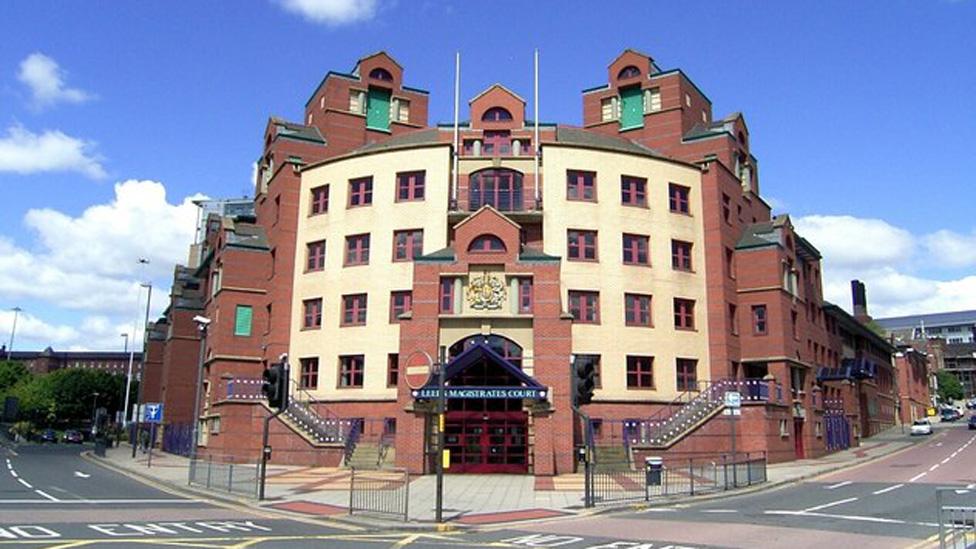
67,396
949,387
12,372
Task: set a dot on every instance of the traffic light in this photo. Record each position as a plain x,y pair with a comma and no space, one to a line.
275,386
584,374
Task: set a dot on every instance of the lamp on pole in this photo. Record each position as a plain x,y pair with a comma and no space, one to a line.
145,342
94,402
13,330
202,324
125,350
128,378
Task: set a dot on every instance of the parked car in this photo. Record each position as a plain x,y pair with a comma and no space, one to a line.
950,414
921,427
972,422
49,435
73,436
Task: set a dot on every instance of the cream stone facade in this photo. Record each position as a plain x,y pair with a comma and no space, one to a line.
611,338
379,278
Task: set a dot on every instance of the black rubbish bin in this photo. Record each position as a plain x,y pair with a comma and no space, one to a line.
652,470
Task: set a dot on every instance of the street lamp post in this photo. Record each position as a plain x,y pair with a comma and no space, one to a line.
145,343
202,323
128,378
13,330
94,403
125,350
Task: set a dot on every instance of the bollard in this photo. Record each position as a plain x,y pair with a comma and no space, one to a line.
209,470
691,477
230,479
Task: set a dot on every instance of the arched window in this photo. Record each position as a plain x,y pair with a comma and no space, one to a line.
508,349
498,188
496,114
629,71
486,243
379,73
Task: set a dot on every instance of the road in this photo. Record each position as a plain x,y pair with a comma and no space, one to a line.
51,497
885,503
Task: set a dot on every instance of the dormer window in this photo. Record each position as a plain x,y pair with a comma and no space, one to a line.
380,73
496,114
487,243
629,71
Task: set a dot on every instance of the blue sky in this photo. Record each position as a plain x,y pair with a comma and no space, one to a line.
861,115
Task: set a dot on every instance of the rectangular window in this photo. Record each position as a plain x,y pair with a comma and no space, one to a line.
310,373
408,245
580,185
351,371
357,101
320,200
315,256
399,109
652,100
581,245
635,249
354,310
312,314
357,249
360,192
585,307
595,361
608,109
678,198
640,372
410,186
726,208
525,295
681,255
446,297
392,369
684,314
400,302
733,319
633,191
793,320
637,310
730,262
242,320
759,321
686,374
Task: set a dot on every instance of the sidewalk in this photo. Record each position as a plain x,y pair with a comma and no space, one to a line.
473,499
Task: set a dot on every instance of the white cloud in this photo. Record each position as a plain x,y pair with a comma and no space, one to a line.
25,152
954,249
88,265
332,12
856,242
886,258
45,78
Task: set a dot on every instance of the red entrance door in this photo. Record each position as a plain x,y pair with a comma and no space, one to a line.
487,442
798,437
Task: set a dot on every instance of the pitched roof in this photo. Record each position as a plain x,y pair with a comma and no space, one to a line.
291,130
933,320
586,138
493,86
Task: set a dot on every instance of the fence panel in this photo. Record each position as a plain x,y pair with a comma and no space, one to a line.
177,438
217,474
384,492
611,481
957,517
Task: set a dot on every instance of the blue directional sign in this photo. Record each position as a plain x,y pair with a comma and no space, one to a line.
153,412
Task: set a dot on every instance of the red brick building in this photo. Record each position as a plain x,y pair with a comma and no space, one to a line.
515,249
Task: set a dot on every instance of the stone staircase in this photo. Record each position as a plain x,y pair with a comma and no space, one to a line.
314,427
371,455
611,459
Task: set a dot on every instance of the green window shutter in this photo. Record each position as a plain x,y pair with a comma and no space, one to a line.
378,109
242,323
631,108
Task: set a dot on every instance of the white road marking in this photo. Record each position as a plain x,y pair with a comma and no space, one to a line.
42,493
838,485
939,444
845,517
79,474
970,486
888,489
831,504
946,460
918,476
660,510
13,473
97,501
25,483
719,511
934,467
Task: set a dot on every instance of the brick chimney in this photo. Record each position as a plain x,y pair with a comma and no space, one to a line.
860,301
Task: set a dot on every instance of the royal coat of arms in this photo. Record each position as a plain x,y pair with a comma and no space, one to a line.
486,293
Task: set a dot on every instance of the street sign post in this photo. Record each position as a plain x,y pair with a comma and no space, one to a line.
733,405
153,415
417,369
